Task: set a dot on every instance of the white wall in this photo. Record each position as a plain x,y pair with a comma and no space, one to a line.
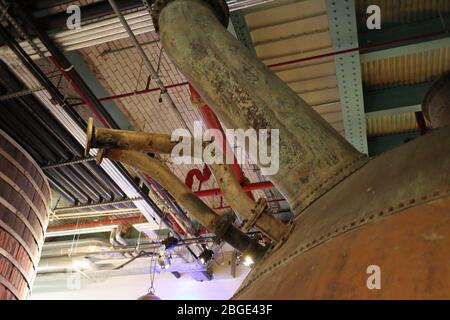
130,287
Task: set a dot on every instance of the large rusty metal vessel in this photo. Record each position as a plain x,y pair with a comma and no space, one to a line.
24,215
352,214
362,228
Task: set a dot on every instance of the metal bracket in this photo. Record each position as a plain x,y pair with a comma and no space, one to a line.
100,155
344,34
261,207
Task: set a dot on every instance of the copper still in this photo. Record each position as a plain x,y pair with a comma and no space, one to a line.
24,214
353,215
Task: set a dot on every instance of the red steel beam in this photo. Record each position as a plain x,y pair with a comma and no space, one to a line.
135,93
79,92
245,187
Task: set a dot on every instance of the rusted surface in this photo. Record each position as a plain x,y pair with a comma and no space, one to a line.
245,94
187,199
219,7
409,176
24,209
161,143
436,104
411,249
130,140
243,205
167,180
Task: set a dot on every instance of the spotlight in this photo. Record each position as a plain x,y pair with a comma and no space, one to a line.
248,261
164,261
169,243
206,256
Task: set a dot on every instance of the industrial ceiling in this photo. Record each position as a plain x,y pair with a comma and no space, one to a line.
367,84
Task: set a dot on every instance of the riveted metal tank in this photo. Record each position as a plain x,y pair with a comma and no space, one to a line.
24,208
436,103
394,213
356,220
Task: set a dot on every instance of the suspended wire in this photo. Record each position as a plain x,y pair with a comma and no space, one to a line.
154,258
73,239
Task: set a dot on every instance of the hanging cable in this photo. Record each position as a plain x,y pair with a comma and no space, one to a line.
154,260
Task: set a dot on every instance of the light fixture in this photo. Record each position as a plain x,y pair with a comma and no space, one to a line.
164,261
248,261
205,256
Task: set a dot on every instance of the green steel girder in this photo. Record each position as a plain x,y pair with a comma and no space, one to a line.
397,97
344,34
380,144
240,27
406,49
405,98
436,28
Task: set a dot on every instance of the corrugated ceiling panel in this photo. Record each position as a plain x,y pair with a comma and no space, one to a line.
298,30
407,69
402,70
285,13
402,122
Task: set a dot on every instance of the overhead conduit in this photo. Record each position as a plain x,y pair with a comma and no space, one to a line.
54,140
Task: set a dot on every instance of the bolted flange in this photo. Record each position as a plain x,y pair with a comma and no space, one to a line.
220,8
89,136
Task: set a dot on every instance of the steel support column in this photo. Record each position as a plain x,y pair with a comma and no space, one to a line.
344,34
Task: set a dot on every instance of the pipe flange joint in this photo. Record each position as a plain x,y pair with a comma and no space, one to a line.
90,131
100,156
220,8
261,207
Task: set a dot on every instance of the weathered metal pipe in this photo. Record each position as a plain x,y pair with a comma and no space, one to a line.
246,207
134,140
161,143
186,198
436,104
245,94
123,139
